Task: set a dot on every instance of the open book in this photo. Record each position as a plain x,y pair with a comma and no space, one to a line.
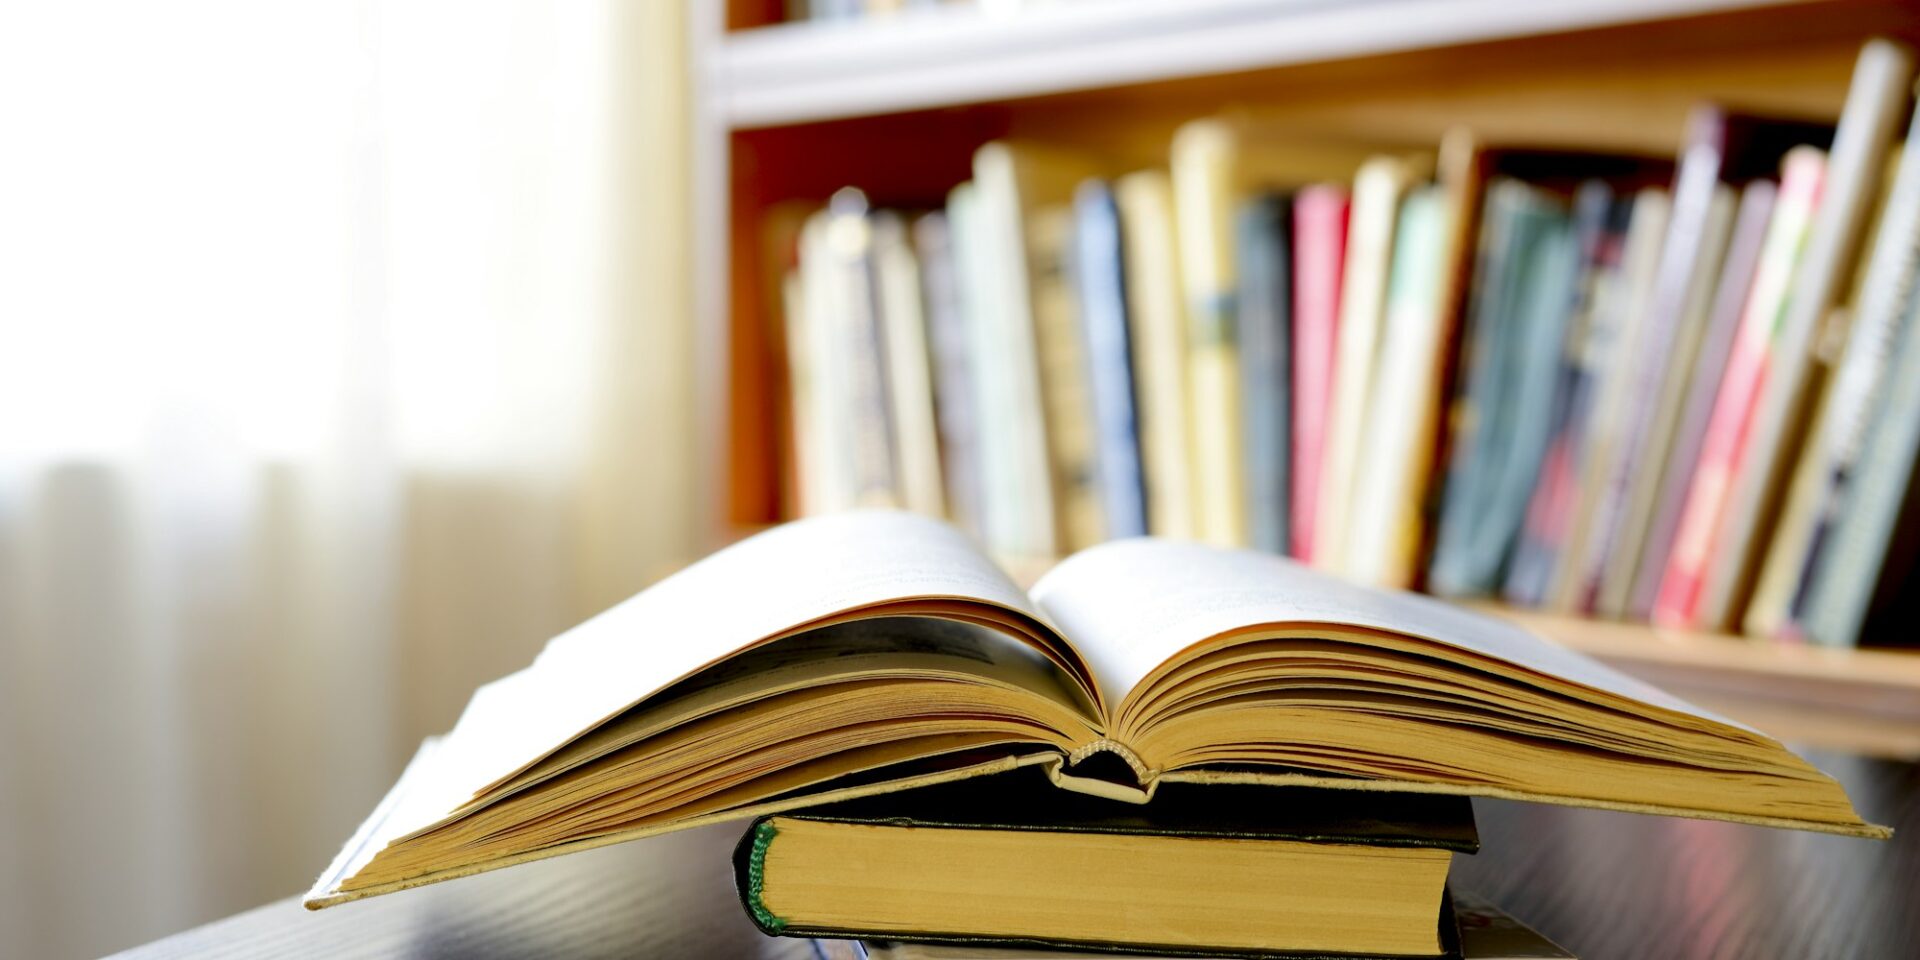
862,653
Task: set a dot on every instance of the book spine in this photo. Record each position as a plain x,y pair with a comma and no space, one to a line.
952,371
1066,398
1319,253
1103,318
1020,508
1731,290
1157,324
1203,158
1879,506
1655,360
1876,103
1378,187
1614,382
876,479
903,324
1601,222
1263,227
1643,484
1726,436
1863,385
1401,405
1485,341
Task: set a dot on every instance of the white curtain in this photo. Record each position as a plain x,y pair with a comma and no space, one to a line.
344,357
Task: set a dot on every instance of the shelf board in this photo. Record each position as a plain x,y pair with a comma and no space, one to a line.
808,72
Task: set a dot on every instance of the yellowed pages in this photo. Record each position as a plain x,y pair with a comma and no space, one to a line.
1148,600
799,574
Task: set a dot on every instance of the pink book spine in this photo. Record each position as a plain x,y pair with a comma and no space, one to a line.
1730,428
1319,255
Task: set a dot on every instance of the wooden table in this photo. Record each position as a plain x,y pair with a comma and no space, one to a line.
1603,884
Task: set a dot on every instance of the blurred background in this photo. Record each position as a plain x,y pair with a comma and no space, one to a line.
344,358
348,351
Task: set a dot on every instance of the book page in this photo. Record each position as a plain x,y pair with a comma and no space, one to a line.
760,588
1132,605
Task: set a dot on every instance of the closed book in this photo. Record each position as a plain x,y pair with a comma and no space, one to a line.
1157,323
1203,167
1319,255
1101,286
1263,241
1379,187
1486,933
1009,861
1877,102
1730,427
1065,390
953,371
1730,293
1526,267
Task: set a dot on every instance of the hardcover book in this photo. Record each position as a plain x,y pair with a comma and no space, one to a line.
1486,933
873,651
1201,870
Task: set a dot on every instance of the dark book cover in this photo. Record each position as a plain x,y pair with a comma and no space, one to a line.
1024,802
1101,285
1263,234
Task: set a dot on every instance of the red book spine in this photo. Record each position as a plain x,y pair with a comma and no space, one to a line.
1319,256
1730,428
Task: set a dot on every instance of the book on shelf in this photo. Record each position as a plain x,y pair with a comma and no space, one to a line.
953,369
1864,570
1319,255
1730,425
1600,218
1157,324
1009,861
1100,281
1485,932
1853,359
868,652
1877,101
1405,416
1597,393
1379,186
1203,169
1721,148
1751,225
1614,331
1264,305
1526,267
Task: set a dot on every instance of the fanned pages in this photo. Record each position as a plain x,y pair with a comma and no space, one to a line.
867,652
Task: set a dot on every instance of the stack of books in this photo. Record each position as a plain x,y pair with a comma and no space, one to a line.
1163,746
1677,390
1005,867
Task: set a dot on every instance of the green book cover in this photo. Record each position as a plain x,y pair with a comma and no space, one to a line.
983,850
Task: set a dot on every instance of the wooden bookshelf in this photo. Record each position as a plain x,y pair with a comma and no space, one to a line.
788,112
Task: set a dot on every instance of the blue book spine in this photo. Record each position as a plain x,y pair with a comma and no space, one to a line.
1103,323
1264,250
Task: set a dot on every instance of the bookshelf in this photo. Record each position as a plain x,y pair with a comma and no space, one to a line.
786,112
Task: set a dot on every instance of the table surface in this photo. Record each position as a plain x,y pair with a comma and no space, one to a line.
1602,884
